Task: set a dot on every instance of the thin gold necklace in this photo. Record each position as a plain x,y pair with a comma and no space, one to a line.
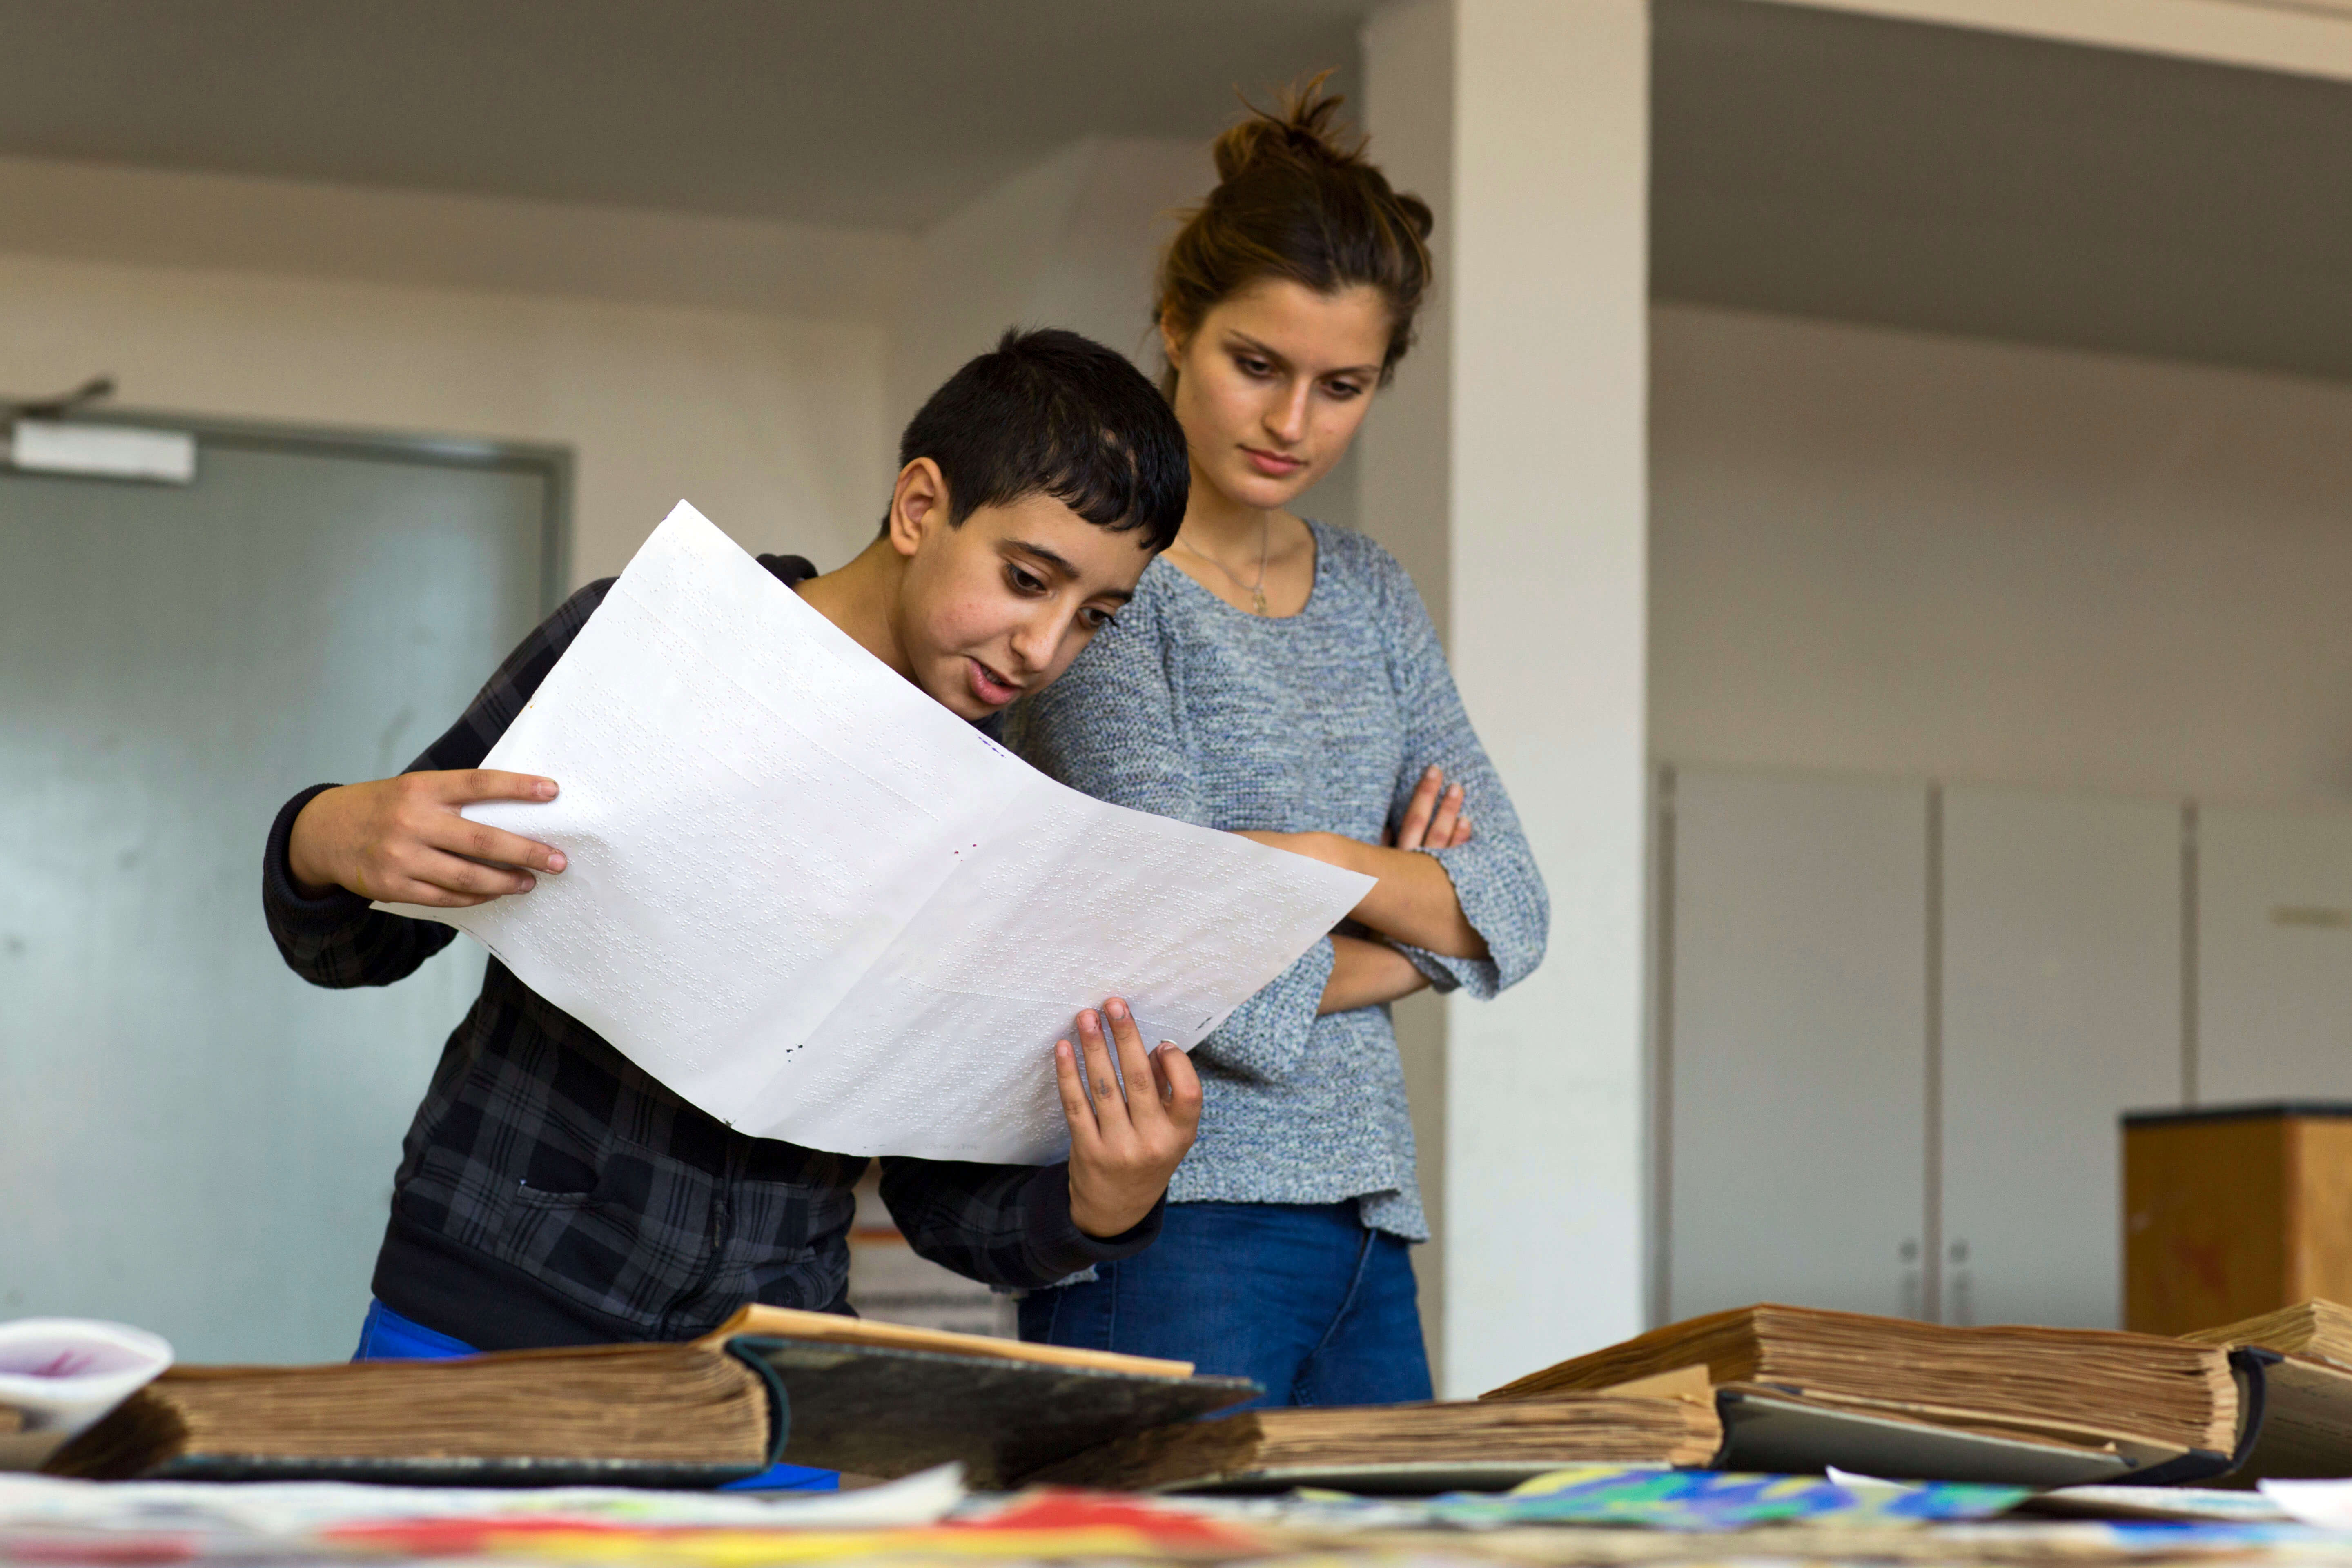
1256,589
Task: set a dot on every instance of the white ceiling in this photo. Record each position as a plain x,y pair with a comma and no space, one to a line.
1825,164
869,112
1814,161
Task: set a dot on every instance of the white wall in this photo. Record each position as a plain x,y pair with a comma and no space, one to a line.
1070,242
104,212
1901,553
1073,241
462,317
762,369
1404,474
1538,115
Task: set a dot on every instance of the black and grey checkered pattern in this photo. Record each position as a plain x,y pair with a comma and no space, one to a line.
550,1192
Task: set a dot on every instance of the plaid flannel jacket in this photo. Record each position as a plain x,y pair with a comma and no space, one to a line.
550,1192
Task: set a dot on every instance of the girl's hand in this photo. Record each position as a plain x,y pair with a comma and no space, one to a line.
1433,818
1124,1143
401,840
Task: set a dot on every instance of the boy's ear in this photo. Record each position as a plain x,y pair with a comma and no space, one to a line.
918,505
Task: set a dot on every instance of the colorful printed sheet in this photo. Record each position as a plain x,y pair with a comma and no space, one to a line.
1715,1501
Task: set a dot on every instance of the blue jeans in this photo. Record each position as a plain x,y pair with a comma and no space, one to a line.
1301,1296
385,1335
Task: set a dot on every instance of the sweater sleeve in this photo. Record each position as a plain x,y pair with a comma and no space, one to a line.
1494,874
338,941
1114,727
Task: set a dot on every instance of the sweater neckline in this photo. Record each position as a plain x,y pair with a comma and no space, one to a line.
1314,587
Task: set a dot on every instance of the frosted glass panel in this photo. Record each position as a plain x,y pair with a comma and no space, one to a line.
2274,932
1798,1051
191,1139
2062,1010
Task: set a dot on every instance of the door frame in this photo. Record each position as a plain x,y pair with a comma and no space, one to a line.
553,464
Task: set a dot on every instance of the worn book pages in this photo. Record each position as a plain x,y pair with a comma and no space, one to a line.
1424,1448
2317,1329
821,907
2148,1394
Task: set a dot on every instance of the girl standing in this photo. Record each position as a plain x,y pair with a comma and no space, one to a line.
1280,677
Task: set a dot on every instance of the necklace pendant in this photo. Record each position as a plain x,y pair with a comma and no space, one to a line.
1257,601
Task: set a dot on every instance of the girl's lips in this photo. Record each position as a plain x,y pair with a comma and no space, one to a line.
988,686
1273,465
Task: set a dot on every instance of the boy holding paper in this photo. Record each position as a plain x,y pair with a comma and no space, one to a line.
552,1192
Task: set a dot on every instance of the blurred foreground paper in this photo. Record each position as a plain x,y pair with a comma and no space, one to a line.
58,1375
823,908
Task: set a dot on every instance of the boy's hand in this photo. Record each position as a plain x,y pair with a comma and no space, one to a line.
1124,1144
402,840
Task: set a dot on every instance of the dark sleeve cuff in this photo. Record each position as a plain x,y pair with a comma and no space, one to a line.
287,909
1057,1246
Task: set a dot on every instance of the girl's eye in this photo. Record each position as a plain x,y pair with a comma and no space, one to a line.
1343,389
1251,366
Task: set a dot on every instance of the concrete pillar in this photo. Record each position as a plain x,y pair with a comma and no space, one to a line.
1507,469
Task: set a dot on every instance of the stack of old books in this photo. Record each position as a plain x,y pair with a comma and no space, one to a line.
810,1388
1763,1388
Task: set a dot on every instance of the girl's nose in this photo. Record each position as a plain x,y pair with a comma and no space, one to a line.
1287,419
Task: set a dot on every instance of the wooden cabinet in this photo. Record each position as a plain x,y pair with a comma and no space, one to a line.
2229,1214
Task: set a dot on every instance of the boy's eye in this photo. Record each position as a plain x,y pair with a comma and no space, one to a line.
1095,619
1024,582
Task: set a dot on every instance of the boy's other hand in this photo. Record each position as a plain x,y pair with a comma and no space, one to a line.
402,840
1124,1142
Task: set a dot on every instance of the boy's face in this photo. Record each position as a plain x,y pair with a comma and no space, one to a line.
1001,605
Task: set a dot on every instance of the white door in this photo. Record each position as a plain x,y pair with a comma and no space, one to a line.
2275,939
1792,1045
190,1137
2062,1010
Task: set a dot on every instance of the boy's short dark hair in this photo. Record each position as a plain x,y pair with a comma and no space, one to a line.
1052,413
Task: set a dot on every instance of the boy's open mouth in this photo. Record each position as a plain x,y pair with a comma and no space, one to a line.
988,686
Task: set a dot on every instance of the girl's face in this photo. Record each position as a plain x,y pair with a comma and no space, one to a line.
1273,384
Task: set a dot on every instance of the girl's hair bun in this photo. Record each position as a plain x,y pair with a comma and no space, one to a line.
1296,198
1304,130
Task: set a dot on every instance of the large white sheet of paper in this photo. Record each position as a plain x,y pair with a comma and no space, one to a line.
821,907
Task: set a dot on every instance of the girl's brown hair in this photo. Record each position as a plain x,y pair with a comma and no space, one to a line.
1296,199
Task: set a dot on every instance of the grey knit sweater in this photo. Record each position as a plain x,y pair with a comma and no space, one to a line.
1323,719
